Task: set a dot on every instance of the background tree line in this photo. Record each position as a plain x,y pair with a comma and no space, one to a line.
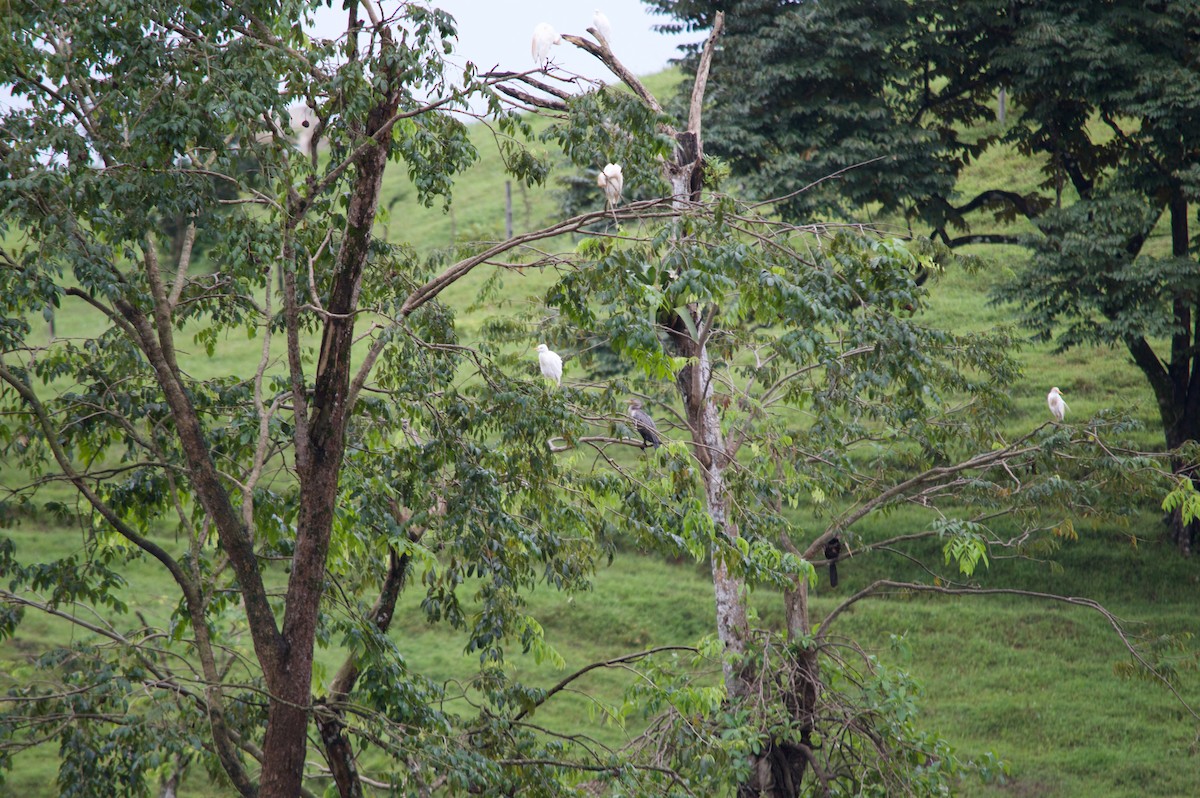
843,105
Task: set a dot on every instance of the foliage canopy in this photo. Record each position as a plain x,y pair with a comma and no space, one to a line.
896,98
369,448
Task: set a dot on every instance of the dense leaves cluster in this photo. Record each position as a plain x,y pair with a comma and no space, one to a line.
887,103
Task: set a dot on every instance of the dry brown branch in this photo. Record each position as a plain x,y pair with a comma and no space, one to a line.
605,56
696,106
533,100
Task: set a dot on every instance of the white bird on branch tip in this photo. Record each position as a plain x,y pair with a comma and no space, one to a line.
550,363
603,26
1058,408
612,181
544,35
644,424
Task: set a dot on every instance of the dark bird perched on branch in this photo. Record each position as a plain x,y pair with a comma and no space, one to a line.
833,550
644,424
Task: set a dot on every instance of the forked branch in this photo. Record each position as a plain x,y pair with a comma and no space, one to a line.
931,477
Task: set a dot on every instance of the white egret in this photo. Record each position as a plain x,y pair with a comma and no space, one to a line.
603,26
551,364
1058,408
544,36
612,181
644,424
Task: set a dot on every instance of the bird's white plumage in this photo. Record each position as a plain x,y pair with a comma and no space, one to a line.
544,36
1058,408
612,181
551,364
603,26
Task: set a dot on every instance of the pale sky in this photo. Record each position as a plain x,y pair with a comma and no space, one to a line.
497,33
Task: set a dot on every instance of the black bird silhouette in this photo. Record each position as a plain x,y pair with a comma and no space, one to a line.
644,424
833,550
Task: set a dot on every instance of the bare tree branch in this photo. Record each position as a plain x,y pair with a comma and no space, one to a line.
930,477
604,54
562,684
880,585
696,105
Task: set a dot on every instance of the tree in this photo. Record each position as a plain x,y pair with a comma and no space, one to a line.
1122,143
894,99
304,497
133,114
825,106
731,316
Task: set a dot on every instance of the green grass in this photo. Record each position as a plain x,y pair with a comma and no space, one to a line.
1032,681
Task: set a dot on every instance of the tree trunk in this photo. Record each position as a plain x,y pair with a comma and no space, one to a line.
286,743
777,771
171,785
331,717
1176,383
695,386
732,627
1184,536
338,752
1184,427
780,771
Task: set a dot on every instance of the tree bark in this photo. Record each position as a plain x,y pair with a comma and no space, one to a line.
338,752
778,771
732,627
286,742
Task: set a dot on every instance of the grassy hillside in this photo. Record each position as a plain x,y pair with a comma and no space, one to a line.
1034,682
